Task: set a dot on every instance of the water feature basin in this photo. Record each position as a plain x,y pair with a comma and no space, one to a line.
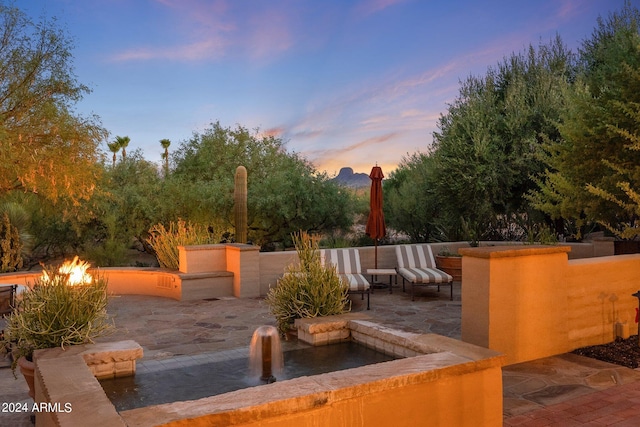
225,372
463,383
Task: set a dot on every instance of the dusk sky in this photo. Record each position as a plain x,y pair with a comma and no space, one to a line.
343,83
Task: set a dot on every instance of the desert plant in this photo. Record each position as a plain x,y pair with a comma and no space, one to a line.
110,253
10,246
64,308
541,234
446,252
240,204
20,218
165,242
307,289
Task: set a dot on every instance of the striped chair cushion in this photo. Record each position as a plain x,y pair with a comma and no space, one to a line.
357,282
410,256
417,265
424,275
347,265
346,261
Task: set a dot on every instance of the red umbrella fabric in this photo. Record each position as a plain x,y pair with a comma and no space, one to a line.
376,228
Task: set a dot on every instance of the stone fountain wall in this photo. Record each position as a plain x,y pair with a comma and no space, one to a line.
438,381
67,387
444,382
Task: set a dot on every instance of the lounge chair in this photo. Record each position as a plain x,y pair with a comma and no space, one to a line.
7,299
417,266
347,265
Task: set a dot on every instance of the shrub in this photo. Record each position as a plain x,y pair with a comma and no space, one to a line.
165,242
10,246
111,253
307,289
57,314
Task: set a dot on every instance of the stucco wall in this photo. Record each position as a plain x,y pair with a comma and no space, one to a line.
473,399
211,271
531,302
599,295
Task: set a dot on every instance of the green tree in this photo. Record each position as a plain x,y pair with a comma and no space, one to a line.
285,192
45,147
486,151
403,211
128,204
595,164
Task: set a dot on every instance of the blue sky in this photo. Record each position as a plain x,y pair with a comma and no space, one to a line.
343,83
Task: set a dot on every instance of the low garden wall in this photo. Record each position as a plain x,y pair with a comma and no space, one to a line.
530,302
272,264
225,270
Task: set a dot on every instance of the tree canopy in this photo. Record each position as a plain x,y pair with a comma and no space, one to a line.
285,192
475,179
46,148
596,161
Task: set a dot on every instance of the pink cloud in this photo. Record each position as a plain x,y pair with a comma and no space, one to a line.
211,30
209,49
274,132
323,156
369,7
569,8
270,34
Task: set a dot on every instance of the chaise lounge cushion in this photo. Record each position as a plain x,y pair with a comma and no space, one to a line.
347,264
417,265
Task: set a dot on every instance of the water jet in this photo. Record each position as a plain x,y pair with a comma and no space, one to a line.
265,354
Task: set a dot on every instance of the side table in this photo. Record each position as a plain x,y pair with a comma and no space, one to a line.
375,272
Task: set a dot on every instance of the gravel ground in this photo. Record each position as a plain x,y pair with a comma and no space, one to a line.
621,352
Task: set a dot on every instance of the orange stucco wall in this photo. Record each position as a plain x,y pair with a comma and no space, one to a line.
599,295
531,302
474,399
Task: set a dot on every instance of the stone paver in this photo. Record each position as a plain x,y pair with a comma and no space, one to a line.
563,390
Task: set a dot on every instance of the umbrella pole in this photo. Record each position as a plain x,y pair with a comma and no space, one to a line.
375,242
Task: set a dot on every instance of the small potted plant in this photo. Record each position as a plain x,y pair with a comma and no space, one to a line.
450,263
66,306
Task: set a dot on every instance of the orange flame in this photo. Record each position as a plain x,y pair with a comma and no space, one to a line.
75,270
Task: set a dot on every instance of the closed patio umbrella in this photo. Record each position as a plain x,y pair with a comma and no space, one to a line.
376,228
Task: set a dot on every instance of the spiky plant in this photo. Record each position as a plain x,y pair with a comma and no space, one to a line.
307,289
55,313
165,241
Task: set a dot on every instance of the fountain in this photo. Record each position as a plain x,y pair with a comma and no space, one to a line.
265,354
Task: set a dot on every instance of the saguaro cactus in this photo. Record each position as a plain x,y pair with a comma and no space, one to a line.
240,207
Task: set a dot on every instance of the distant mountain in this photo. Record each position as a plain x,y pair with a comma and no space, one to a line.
348,178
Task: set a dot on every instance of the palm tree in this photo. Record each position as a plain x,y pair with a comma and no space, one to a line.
123,142
114,147
165,144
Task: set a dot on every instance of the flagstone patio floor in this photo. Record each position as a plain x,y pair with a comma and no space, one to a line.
563,390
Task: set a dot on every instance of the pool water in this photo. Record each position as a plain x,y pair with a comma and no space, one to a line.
210,379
